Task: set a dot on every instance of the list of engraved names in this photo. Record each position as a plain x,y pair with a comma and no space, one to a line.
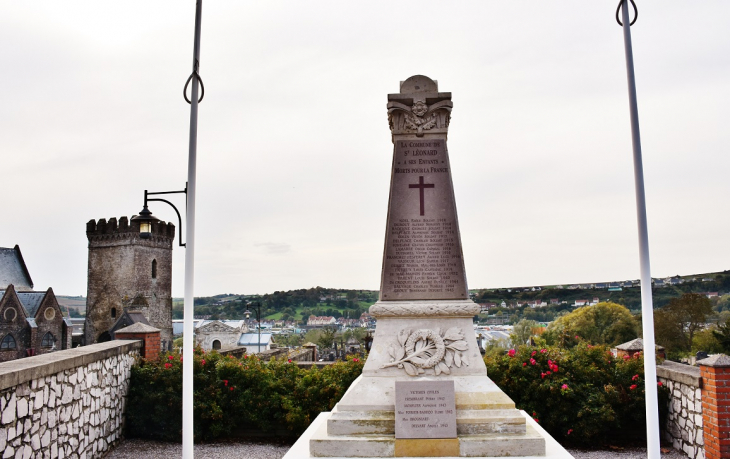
425,410
423,251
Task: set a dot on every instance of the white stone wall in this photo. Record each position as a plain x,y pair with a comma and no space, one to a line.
76,412
684,422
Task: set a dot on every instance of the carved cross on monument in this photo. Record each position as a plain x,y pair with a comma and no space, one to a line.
420,185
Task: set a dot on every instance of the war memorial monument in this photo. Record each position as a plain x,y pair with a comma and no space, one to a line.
424,390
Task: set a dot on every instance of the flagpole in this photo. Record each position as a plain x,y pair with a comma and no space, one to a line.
188,434
647,307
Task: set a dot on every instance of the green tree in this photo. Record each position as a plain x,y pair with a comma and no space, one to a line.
522,332
676,323
326,337
604,323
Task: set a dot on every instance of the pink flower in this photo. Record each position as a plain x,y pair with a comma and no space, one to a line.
524,364
542,351
533,361
169,357
577,337
633,386
355,359
542,375
289,361
202,362
511,353
536,420
570,431
232,388
564,387
181,358
550,363
225,382
635,377
533,353
547,372
626,357
660,384
168,365
555,368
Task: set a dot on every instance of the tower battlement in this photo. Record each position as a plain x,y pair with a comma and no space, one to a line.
124,228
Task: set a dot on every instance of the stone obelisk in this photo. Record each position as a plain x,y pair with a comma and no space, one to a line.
424,316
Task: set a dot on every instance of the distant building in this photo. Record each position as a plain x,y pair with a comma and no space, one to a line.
251,342
321,321
217,334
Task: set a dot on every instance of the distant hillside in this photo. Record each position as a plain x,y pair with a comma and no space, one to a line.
75,304
617,291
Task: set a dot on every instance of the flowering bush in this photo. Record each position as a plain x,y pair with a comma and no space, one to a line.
581,396
230,393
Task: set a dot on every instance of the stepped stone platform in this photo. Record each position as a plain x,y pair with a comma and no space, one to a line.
501,444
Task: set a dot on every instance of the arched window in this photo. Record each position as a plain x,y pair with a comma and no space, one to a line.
114,313
154,269
8,343
216,344
48,340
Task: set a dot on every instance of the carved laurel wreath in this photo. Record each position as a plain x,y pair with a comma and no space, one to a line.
419,350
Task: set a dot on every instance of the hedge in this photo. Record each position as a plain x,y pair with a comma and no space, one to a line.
581,396
232,394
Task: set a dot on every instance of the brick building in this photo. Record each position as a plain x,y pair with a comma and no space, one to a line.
31,322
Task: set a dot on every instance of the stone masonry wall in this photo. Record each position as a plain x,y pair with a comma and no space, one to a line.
684,423
66,404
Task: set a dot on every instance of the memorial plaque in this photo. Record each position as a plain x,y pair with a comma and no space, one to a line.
423,258
425,409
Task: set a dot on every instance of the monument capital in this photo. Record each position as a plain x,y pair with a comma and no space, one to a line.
419,109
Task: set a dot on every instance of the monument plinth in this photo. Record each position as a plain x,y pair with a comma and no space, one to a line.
424,329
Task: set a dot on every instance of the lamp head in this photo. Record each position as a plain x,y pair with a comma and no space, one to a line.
145,219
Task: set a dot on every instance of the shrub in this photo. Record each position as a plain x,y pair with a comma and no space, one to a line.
230,393
581,396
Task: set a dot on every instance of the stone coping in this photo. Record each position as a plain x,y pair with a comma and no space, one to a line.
19,371
679,372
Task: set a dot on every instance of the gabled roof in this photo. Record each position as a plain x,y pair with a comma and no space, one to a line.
137,327
30,301
635,345
13,269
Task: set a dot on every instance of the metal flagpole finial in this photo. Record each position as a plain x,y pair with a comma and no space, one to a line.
618,9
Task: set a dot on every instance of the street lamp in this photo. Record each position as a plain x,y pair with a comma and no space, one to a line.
146,219
258,319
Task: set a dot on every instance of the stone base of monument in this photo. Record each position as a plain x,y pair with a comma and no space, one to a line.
425,342
386,446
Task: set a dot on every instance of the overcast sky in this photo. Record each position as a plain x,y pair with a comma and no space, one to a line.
294,150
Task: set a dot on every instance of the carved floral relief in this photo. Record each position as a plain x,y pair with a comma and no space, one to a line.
416,351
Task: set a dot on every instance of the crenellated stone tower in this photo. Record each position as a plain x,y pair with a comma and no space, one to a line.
128,272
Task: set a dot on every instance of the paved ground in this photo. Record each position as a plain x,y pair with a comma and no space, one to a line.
134,449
